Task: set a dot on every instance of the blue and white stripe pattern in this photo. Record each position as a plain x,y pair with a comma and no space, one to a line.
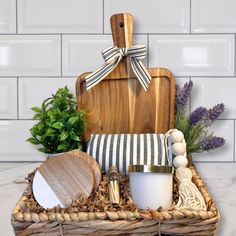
122,150
113,56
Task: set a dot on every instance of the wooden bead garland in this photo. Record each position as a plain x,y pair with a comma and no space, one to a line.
176,136
180,161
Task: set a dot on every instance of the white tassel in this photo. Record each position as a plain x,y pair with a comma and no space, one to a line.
189,195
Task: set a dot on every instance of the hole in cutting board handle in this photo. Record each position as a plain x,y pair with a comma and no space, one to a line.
121,24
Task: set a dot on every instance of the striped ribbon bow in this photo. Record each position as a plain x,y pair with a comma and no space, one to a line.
113,56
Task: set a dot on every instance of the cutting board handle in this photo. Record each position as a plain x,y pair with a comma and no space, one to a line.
122,29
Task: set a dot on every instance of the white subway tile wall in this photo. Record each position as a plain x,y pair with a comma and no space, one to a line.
59,16
45,45
193,55
8,95
213,16
30,55
7,16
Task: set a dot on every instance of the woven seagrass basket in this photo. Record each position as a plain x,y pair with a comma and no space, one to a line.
26,221
171,221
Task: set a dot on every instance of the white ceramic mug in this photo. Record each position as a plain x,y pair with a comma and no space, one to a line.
151,186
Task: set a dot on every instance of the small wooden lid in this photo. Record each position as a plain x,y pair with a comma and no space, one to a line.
92,163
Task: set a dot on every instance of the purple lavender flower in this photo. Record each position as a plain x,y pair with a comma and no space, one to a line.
197,115
214,113
212,143
182,95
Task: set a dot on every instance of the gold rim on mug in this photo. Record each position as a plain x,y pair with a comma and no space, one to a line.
151,169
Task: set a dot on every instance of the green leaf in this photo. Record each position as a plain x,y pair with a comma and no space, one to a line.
57,125
44,105
50,132
72,120
57,110
37,116
36,109
45,150
62,147
40,126
52,117
33,140
74,137
64,135
33,131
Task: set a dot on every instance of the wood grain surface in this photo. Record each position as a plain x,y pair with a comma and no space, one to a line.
94,166
68,176
119,104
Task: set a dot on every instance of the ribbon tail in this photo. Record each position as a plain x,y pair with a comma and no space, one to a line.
141,72
98,75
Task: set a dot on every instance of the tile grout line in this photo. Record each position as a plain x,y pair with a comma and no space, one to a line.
148,57
27,162
190,16
17,96
223,162
61,55
234,54
233,119
20,119
190,98
208,76
67,76
103,23
234,142
16,17
140,33
38,77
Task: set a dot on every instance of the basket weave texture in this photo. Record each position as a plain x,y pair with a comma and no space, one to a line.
171,221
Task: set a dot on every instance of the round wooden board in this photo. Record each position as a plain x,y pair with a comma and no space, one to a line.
92,163
67,176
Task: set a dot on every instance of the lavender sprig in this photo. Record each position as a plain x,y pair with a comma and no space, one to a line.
212,143
214,113
182,95
197,115
195,125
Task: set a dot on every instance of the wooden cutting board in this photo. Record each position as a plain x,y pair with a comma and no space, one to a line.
119,104
59,180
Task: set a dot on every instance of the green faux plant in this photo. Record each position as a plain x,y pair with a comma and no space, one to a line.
60,126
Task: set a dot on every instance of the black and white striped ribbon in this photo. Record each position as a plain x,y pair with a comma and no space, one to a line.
113,56
122,150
